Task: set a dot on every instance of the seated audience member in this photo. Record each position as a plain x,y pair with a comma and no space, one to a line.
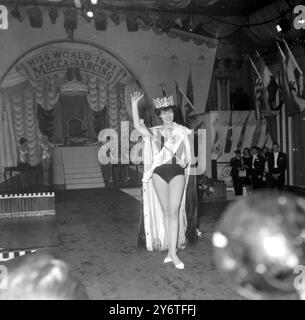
42,277
276,167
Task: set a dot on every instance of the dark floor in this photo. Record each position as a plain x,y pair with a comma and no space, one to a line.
98,238
96,233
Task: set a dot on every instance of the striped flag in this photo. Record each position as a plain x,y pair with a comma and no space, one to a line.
292,79
257,133
229,137
270,87
257,90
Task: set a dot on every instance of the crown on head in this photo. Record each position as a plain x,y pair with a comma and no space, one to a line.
164,102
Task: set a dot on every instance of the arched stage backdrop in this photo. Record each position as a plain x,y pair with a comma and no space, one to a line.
62,80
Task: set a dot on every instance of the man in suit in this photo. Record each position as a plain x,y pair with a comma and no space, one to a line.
257,169
276,167
236,164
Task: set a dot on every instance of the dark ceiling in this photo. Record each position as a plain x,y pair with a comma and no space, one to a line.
198,7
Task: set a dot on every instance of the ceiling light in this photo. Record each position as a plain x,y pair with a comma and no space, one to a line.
284,25
93,2
90,14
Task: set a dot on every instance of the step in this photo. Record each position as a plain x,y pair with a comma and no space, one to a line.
69,170
83,175
85,186
85,180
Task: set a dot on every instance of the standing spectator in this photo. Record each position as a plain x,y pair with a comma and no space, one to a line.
257,169
276,167
237,166
247,165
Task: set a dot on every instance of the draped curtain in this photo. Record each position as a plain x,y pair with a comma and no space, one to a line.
8,148
23,108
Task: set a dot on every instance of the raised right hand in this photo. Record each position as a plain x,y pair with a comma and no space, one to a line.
136,96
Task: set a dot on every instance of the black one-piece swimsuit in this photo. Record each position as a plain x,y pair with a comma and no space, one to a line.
169,170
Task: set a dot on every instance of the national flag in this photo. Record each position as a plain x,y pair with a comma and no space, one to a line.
295,79
257,90
243,133
179,116
257,133
189,94
267,135
229,137
217,145
289,82
163,91
270,87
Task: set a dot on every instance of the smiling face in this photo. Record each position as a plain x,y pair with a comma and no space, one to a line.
167,116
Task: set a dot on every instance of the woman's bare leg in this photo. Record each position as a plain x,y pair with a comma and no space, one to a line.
176,187
161,188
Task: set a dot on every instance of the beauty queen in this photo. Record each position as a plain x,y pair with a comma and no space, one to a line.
167,159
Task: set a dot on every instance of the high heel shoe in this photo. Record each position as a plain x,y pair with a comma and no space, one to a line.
167,259
179,265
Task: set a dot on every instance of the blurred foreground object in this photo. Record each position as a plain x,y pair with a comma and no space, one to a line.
259,246
42,277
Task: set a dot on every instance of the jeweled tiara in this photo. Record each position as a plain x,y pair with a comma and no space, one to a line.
163,102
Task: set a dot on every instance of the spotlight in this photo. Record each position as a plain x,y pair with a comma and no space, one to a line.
16,14
35,16
93,2
131,23
89,14
284,25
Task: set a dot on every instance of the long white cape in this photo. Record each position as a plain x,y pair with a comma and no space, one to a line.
153,214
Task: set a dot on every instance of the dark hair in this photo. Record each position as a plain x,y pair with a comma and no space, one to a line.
246,149
159,110
22,140
42,277
276,144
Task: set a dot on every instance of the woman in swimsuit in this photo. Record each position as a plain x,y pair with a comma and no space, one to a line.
166,159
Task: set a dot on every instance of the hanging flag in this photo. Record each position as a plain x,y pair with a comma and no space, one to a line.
217,145
257,90
267,136
243,133
229,137
257,133
189,94
288,82
179,116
